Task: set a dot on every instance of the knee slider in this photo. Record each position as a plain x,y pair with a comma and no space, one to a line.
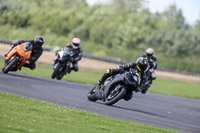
32,67
108,71
75,68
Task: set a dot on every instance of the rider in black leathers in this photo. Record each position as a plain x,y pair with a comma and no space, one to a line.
77,53
140,66
152,65
152,60
37,50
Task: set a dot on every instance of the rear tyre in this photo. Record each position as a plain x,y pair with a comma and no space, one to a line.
92,95
56,70
115,96
10,66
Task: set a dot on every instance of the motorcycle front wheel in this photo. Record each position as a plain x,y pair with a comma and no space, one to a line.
10,66
92,95
115,95
56,70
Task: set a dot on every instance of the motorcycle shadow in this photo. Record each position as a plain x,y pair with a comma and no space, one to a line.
131,109
137,110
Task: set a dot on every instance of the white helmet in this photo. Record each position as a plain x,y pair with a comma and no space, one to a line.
149,52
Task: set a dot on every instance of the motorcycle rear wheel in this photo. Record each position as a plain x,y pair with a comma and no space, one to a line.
113,98
9,67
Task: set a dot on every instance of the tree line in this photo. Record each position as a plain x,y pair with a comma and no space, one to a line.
120,24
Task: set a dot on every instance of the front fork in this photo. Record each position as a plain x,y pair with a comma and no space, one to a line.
67,68
5,62
9,60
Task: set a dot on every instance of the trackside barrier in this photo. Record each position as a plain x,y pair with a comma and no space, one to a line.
117,61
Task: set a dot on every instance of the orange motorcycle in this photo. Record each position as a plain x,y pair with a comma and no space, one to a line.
17,57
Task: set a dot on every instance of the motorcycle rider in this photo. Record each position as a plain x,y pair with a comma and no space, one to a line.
77,53
152,60
152,65
37,50
140,66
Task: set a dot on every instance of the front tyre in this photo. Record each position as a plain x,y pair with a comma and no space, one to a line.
115,95
10,66
56,70
92,95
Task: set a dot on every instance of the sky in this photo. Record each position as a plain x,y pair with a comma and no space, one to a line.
190,8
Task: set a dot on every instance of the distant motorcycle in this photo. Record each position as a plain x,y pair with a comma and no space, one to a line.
17,57
116,88
62,64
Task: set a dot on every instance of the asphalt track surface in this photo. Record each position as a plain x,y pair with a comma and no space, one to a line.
169,112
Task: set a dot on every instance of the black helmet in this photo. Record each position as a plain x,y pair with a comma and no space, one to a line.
149,52
39,40
142,63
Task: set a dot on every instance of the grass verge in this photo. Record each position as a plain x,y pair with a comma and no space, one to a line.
24,115
176,88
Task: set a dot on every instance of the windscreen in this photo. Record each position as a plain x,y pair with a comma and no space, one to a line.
27,46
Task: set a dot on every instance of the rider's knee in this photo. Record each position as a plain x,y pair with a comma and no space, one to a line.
108,71
75,68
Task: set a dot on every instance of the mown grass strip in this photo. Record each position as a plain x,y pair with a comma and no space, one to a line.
18,115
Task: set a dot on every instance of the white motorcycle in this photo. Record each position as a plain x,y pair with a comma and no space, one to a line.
62,63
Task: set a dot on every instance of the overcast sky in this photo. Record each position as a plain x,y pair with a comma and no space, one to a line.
190,8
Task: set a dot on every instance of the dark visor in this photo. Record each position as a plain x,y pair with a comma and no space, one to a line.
76,44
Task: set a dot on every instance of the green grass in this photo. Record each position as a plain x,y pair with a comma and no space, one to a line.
176,88
24,115
161,86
